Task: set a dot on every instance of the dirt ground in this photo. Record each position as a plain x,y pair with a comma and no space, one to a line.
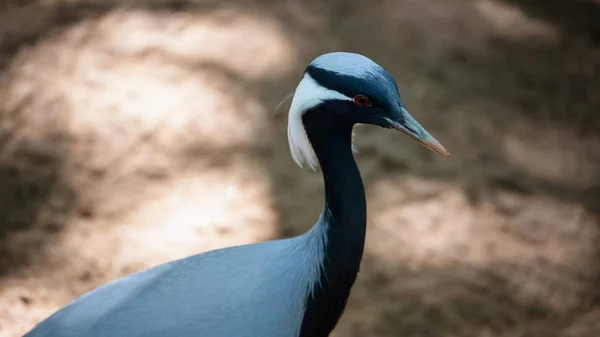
133,132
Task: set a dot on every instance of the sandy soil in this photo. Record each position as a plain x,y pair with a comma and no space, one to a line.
133,132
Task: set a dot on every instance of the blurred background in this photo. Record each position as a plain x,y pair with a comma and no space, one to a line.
133,132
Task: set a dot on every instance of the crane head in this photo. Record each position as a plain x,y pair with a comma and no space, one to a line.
364,93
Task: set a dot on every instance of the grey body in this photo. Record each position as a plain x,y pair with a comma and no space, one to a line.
245,291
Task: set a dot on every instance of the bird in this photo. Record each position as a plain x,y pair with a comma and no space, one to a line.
289,287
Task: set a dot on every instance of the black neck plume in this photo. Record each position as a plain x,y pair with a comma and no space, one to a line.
345,215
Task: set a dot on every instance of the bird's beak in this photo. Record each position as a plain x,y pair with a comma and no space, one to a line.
409,126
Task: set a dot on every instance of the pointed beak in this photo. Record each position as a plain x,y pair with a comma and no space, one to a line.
410,127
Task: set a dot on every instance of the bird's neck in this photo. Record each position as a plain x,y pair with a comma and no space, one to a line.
344,211
343,218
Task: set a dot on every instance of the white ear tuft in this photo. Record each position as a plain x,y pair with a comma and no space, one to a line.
307,96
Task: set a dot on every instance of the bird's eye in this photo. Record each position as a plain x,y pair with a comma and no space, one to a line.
361,100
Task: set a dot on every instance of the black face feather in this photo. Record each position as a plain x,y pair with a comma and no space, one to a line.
378,85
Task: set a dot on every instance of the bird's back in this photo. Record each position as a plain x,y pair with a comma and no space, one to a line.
253,290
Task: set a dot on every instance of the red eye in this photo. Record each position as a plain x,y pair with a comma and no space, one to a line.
361,100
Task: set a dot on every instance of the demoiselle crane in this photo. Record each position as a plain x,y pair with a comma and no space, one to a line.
294,287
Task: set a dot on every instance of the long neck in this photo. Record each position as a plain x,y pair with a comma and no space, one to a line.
344,191
344,218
